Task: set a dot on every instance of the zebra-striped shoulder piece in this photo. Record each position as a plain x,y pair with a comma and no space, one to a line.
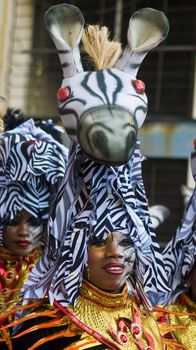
95,200
180,253
32,164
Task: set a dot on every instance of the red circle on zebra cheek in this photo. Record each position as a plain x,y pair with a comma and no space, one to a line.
139,86
63,94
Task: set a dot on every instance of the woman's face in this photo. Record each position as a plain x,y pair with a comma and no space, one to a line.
22,234
110,261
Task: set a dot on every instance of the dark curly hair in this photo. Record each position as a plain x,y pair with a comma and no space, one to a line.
13,118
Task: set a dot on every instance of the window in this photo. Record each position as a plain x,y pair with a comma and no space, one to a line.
167,71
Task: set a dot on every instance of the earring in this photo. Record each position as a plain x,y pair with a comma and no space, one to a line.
88,273
187,284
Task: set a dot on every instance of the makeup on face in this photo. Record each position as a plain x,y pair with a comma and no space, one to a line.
110,261
22,234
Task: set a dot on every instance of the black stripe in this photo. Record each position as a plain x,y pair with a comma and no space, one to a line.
85,85
118,86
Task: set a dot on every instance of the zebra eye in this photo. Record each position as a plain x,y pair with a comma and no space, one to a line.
139,86
63,94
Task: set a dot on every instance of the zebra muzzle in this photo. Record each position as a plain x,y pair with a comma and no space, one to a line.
108,134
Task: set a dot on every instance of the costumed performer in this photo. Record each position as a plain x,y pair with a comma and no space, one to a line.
180,263
88,289
32,165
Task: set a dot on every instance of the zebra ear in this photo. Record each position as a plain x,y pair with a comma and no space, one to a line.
65,24
147,28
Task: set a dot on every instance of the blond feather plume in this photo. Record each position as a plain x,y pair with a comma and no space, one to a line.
103,52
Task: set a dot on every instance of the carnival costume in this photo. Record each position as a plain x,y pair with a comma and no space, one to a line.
182,315
101,111
97,318
180,253
102,192
180,256
32,164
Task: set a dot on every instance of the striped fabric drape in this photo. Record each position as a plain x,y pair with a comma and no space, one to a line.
94,200
32,165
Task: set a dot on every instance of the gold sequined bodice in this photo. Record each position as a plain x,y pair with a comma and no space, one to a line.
117,318
114,321
14,271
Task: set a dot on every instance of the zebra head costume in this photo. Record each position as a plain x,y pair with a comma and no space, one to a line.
32,164
103,109
102,190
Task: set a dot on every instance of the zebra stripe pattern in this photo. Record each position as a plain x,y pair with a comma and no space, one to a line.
32,164
109,87
180,253
102,110
102,199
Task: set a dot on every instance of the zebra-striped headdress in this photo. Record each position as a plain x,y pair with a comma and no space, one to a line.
101,110
32,164
180,253
95,200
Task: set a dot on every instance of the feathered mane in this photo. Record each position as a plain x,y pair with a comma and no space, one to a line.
102,51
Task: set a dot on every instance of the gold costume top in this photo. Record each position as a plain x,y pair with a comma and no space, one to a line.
185,305
14,271
112,321
116,320
180,318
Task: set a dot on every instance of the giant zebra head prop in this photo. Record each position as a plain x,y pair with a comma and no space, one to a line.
102,110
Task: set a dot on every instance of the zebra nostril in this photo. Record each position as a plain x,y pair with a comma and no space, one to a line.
99,140
132,137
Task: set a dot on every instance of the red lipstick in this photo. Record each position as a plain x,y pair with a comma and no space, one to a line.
22,243
114,268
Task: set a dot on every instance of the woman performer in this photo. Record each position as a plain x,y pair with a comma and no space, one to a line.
180,264
32,166
88,289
